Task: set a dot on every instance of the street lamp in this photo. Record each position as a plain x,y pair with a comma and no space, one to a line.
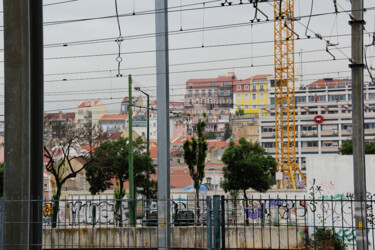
148,119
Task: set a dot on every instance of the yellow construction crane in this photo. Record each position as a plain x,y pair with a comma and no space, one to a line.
285,123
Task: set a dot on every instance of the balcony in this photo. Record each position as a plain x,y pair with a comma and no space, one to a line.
228,105
225,94
188,105
226,86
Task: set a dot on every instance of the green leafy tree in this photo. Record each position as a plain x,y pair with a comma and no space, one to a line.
111,161
247,167
240,112
347,147
210,135
195,152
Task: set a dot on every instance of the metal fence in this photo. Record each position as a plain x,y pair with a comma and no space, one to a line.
217,222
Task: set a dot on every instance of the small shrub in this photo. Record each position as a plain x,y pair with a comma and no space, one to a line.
325,238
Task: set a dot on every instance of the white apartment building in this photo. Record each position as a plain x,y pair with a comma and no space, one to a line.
328,100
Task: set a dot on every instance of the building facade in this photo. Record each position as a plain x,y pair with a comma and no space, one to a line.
323,118
112,123
89,112
251,94
210,96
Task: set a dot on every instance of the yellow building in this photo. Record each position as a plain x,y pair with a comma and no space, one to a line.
251,95
245,127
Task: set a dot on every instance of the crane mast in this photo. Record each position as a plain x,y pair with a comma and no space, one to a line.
285,123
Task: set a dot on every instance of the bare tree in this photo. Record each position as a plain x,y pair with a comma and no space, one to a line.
62,149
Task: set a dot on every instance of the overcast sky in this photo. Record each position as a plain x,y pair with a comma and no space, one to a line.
234,55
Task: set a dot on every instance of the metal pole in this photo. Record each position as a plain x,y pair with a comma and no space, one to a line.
216,218
36,127
359,170
131,178
162,79
148,129
222,203
209,223
23,68
17,123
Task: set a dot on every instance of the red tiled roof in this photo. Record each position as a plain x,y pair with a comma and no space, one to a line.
180,139
180,178
329,82
217,144
177,152
217,79
113,117
110,136
70,115
154,152
86,104
248,80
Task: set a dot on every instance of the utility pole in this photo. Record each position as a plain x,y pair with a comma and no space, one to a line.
162,80
23,178
131,205
359,170
148,123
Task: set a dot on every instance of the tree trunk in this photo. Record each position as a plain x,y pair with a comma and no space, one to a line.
198,212
56,203
246,207
119,204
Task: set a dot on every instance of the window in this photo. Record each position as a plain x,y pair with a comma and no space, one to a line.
251,131
238,87
330,143
254,88
190,93
272,100
369,125
261,96
209,92
336,98
261,87
299,99
178,160
212,85
210,101
269,144
238,97
225,84
311,144
309,128
254,96
268,129
196,93
238,107
246,97
196,101
203,92
203,101
328,127
246,87
228,92
246,106
371,96
190,86
221,100
319,98
216,101
221,92
190,102
254,106
216,92
197,111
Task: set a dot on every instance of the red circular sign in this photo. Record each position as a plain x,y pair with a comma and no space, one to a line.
319,119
